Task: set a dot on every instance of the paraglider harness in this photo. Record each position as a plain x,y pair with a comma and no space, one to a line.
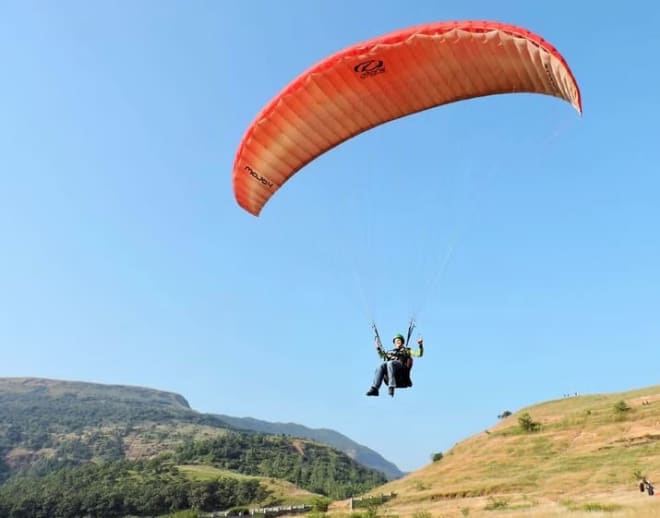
400,353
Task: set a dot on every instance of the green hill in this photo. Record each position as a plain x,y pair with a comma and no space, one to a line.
116,450
358,452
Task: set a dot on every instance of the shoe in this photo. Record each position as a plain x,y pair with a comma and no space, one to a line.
390,391
373,391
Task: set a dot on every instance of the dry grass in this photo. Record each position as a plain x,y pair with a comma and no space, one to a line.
582,462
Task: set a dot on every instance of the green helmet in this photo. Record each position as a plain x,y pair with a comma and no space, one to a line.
399,336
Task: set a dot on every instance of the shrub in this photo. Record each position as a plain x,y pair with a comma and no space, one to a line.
321,504
621,407
496,503
527,424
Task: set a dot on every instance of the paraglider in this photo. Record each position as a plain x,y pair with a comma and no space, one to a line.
397,363
389,77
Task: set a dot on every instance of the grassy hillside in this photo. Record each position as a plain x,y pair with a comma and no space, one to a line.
92,391
34,406
278,490
582,456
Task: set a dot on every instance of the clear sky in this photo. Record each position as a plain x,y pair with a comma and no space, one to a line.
523,237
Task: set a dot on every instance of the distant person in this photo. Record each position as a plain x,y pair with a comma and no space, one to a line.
395,369
645,484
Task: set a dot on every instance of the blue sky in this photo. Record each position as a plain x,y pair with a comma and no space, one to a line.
523,237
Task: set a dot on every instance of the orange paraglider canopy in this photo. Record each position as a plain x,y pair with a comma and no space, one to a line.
386,78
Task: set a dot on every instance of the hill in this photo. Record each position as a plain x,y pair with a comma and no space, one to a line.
131,450
145,450
357,452
573,456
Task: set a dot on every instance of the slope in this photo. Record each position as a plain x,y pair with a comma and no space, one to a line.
579,453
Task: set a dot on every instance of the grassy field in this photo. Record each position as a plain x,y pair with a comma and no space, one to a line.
281,491
612,505
582,461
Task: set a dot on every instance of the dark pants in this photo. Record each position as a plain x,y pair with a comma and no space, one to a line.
391,368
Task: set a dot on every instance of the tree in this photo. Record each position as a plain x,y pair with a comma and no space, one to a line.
321,504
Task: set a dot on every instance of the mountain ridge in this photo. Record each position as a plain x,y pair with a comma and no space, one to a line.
169,406
72,449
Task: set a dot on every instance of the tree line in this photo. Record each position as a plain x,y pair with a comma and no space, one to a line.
121,488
